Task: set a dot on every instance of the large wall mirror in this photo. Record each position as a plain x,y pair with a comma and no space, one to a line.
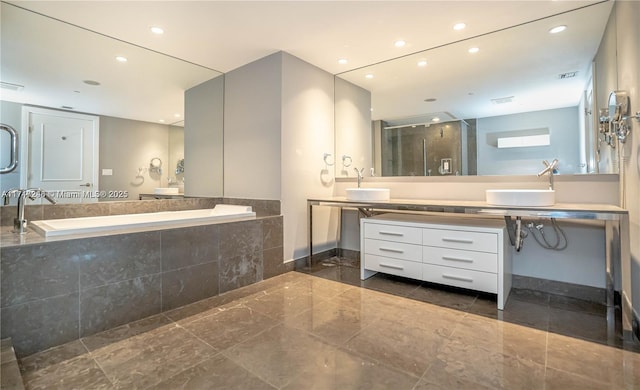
495,104
137,94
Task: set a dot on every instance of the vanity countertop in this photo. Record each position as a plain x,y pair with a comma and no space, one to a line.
559,210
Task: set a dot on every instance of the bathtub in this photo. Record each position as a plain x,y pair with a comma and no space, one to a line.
164,219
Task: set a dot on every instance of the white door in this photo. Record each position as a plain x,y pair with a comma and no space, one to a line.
61,154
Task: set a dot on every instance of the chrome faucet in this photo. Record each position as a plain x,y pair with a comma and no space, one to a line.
20,222
360,174
550,169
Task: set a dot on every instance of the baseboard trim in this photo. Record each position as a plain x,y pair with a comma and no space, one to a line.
578,291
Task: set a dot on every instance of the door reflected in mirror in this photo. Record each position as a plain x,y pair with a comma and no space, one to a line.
139,102
525,96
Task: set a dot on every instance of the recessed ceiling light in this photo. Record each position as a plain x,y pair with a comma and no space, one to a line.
557,29
435,119
91,82
422,63
459,26
474,50
369,76
342,61
400,43
157,30
121,59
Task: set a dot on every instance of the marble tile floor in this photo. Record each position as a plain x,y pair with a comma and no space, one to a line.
307,331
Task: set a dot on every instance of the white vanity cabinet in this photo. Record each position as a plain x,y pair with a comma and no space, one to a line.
471,253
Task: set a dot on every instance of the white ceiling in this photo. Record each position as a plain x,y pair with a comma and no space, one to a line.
224,35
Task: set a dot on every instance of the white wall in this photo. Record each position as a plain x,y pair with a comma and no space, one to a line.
606,75
203,137
176,152
353,128
564,128
278,123
627,15
252,129
126,145
307,133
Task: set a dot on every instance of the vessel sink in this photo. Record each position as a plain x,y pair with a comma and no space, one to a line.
166,191
368,194
523,198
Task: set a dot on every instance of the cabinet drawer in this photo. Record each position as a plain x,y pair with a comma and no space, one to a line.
479,261
408,269
473,280
396,250
393,233
457,239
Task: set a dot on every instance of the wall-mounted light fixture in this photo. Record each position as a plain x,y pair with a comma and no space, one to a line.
619,115
604,127
155,165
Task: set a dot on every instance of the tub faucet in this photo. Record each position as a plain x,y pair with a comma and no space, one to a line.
550,169
360,174
20,222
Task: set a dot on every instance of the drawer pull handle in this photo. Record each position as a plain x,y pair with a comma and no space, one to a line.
457,259
391,250
384,233
459,240
461,278
391,266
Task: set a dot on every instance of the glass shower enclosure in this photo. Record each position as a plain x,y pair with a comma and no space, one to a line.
436,149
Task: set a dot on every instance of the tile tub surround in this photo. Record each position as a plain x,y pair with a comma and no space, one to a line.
298,331
55,292
262,208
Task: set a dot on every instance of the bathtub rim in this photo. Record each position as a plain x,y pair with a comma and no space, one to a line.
9,239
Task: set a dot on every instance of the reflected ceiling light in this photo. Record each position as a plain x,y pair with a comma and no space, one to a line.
422,63
157,30
121,59
557,29
369,76
161,120
342,61
176,115
474,50
459,26
435,119
400,43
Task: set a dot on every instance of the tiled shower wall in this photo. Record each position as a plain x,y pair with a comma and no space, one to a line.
56,292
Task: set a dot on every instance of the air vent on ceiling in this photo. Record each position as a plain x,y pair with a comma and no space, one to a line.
503,100
567,75
11,86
